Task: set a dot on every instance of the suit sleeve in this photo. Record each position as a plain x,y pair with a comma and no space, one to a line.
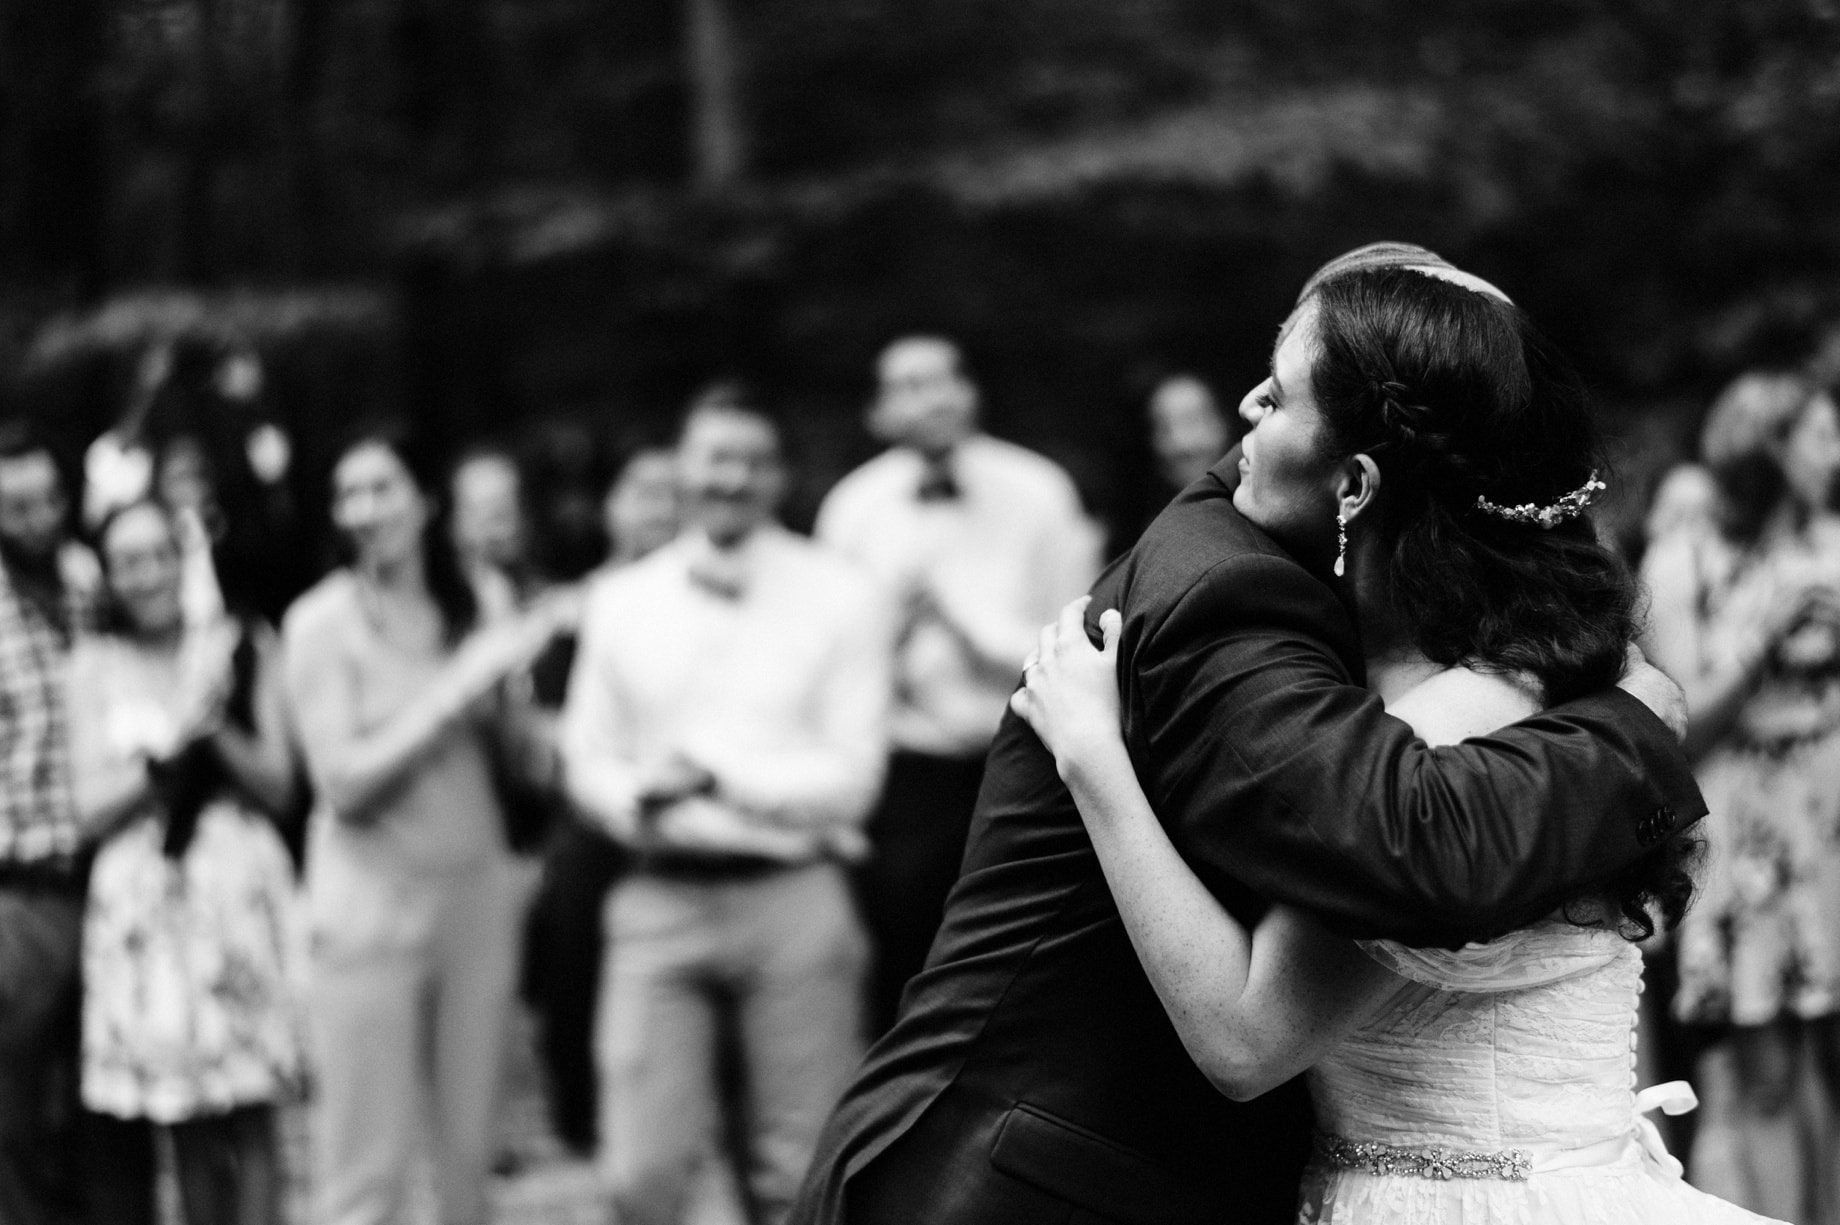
1272,769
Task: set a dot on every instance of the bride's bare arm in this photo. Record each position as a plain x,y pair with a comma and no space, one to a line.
1252,1008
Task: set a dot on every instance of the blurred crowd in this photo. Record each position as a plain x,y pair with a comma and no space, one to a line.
290,807
1742,567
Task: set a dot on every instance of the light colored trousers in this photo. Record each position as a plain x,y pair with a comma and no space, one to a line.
406,1024
783,957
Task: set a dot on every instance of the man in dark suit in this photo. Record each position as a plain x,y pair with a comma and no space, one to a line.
1032,1075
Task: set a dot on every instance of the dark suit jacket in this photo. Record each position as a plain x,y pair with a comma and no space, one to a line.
1032,1053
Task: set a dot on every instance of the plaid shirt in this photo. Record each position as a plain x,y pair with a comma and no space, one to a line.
38,817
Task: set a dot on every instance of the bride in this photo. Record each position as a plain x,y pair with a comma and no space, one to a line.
1422,448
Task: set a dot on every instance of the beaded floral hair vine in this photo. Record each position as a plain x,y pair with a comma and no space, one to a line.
1554,513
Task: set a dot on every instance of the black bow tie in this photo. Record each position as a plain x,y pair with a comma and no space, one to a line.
939,485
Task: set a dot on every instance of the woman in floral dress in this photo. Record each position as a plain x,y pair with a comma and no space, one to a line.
179,751
1746,615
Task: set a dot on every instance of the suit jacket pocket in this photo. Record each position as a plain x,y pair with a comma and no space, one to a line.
1092,1172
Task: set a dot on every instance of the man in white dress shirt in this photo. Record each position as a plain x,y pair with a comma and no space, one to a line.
979,543
727,720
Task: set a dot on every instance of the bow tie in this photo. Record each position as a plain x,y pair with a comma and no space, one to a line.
939,485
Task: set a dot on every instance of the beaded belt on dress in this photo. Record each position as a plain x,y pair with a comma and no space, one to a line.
1514,1164
1424,1161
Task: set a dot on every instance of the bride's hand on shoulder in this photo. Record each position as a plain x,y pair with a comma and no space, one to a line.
1069,693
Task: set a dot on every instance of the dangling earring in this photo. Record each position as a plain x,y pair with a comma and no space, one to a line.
1341,545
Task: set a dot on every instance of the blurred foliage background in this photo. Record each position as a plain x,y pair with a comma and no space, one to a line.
492,211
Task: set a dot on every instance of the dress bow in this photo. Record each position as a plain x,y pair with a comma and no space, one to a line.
1671,1097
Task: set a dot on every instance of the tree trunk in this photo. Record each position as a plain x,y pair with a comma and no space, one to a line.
198,185
308,197
53,144
712,65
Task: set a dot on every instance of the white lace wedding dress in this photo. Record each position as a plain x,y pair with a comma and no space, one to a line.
1497,1087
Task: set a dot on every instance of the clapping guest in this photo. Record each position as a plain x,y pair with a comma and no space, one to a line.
180,759
500,552
978,542
1686,500
196,436
640,509
1188,431
1746,615
414,899
242,553
118,463
491,525
563,962
726,722
560,460
47,595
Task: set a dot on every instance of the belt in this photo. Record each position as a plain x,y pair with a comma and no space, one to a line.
1515,1164
59,875
1424,1160
710,869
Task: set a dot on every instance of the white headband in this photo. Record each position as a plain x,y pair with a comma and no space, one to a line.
1456,276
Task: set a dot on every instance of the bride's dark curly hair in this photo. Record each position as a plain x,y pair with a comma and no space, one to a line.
1456,396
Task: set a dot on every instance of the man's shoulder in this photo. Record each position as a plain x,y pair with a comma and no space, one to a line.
857,506
1201,569
1022,471
821,575
1201,539
889,475
634,580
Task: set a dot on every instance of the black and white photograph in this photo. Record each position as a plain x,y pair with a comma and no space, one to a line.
919,612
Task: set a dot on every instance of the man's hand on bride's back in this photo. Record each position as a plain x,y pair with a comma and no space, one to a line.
1069,693
1655,690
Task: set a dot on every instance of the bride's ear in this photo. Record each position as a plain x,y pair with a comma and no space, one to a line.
1358,487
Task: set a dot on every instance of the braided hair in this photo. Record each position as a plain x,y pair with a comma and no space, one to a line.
1455,395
